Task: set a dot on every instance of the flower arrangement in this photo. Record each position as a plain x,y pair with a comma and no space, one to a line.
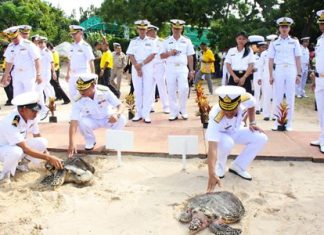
52,108
282,116
130,102
203,104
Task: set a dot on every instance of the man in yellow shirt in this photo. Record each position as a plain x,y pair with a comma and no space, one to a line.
206,66
106,64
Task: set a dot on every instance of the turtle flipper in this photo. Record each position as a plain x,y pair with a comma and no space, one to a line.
59,178
223,229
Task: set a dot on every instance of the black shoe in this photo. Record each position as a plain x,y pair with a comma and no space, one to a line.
8,103
89,149
66,102
266,119
173,119
257,112
136,120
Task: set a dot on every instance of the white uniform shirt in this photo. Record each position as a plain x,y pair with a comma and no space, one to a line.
304,55
319,55
157,58
14,130
142,48
23,56
219,123
284,51
236,60
184,47
264,66
101,106
46,61
80,55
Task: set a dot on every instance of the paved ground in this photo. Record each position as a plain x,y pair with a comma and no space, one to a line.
152,139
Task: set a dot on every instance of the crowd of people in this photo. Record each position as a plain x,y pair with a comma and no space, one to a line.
258,75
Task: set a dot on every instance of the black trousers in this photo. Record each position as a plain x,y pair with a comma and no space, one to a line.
248,81
59,92
105,80
9,92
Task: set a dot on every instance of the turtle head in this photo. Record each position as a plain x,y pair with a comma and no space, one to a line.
199,222
185,217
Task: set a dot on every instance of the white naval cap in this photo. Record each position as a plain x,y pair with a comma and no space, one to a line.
85,80
229,97
150,27
271,37
28,99
11,32
177,24
255,38
262,43
42,38
304,38
284,21
116,44
75,28
321,17
35,37
24,28
142,24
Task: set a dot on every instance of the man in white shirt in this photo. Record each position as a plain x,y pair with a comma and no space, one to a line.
178,52
25,57
318,81
81,59
285,54
141,51
14,144
95,107
225,129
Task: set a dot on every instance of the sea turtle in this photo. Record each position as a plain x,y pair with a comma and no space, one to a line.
213,210
76,170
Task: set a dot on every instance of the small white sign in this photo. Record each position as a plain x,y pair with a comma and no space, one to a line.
183,144
120,141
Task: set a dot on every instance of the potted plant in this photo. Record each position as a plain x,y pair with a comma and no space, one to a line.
52,108
204,109
282,116
130,102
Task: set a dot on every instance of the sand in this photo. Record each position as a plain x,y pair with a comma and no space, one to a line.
145,195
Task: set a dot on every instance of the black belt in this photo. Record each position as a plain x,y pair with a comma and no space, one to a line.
239,71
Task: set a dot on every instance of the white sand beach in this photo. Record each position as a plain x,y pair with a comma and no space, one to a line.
145,195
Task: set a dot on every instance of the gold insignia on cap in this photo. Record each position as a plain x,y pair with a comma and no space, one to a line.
229,104
321,17
83,85
227,99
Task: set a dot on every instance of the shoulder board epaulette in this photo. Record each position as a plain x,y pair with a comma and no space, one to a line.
219,116
245,97
15,121
102,88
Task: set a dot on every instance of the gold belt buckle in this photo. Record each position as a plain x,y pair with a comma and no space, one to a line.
177,65
240,71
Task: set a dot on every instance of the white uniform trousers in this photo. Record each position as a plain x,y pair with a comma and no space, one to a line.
257,92
177,82
285,83
253,141
22,83
267,95
88,125
10,155
319,96
159,80
73,92
143,90
225,76
300,88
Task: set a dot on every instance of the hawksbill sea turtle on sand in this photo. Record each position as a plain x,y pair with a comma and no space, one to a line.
76,170
213,210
